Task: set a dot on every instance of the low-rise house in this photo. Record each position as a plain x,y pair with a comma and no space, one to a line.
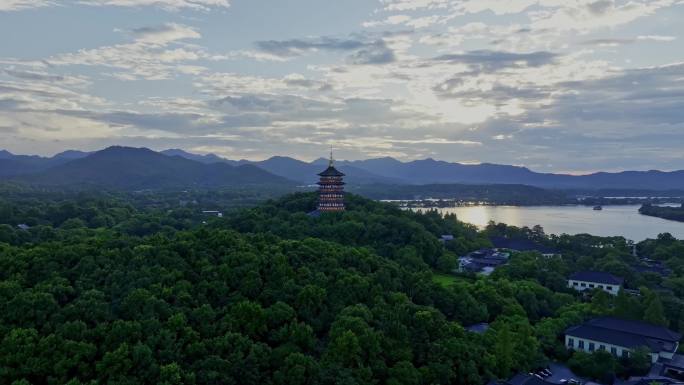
213,213
590,280
620,337
23,226
482,261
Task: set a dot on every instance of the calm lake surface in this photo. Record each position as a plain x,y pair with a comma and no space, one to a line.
611,221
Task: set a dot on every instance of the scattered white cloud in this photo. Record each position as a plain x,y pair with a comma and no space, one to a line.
172,5
169,5
17,5
153,55
418,77
656,38
587,15
498,7
164,34
406,5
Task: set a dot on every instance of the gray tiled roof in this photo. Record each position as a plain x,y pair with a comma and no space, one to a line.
331,171
627,333
526,379
598,277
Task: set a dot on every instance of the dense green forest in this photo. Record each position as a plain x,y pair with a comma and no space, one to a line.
145,289
666,212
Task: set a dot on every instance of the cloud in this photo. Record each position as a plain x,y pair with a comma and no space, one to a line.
589,15
616,42
169,5
363,51
298,80
155,53
253,55
546,21
164,34
390,20
17,5
222,83
487,60
650,95
656,38
435,141
412,5
43,93
498,80
374,53
298,47
34,75
498,7
416,22
640,114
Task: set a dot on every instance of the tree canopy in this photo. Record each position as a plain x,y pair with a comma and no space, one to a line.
121,290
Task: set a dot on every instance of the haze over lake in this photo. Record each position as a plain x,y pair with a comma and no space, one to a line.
611,221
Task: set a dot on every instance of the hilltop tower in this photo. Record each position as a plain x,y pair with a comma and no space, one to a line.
331,189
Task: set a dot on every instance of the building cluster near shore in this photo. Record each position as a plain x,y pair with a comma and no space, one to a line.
619,337
485,261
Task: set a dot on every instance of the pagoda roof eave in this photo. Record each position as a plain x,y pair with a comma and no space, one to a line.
331,171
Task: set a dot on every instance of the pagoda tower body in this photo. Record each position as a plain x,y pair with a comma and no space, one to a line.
331,189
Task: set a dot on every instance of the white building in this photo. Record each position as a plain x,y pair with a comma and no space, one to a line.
620,337
590,280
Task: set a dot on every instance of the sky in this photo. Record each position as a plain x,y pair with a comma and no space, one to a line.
555,85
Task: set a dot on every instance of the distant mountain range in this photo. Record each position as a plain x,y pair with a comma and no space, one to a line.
134,169
125,167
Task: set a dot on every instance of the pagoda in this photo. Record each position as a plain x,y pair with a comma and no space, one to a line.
331,189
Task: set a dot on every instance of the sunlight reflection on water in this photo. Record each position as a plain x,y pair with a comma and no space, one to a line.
611,221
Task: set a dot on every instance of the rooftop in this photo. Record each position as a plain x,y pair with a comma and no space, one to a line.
526,379
331,171
598,277
627,333
651,380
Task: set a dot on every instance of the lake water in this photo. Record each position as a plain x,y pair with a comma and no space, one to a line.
611,221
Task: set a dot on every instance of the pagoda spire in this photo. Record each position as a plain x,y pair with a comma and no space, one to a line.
330,164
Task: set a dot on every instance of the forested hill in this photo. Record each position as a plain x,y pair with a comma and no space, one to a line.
102,291
666,212
389,231
217,305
